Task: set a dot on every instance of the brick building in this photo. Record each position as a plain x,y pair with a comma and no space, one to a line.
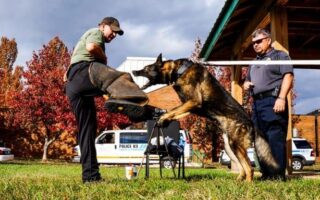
307,126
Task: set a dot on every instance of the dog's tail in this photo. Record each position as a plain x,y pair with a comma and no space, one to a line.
263,151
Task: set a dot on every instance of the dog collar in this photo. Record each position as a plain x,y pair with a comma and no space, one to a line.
185,65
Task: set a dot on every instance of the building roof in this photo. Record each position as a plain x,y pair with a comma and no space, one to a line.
315,112
231,33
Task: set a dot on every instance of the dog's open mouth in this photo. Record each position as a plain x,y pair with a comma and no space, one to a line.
145,86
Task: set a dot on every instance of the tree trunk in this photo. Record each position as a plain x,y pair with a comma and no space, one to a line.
47,142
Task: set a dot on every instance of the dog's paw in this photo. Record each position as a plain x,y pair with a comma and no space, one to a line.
163,120
165,117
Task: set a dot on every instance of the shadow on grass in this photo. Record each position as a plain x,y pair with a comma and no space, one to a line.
15,163
308,171
199,177
305,174
35,162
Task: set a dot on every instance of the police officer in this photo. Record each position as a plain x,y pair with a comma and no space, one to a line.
269,85
87,77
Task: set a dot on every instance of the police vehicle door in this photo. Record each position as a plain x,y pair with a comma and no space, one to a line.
132,145
107,148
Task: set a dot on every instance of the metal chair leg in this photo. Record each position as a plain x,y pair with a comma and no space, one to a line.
160,166
183,174
147,166
179,166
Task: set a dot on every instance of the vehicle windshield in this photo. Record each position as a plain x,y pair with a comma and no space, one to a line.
302,144
107,138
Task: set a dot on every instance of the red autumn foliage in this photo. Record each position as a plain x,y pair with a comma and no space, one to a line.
108,120
9,81
42,109
9,77
42,103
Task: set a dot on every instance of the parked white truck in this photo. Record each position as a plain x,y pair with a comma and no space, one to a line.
128,146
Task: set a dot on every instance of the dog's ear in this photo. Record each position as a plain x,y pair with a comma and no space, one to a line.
159,59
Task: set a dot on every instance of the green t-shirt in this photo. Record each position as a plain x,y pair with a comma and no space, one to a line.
80,52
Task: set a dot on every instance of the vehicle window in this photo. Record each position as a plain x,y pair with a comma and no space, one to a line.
107,139
188,137
133,138
302,144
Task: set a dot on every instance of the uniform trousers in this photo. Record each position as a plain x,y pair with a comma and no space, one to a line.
274,127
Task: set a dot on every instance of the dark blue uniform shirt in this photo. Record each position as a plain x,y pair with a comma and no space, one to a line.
267,77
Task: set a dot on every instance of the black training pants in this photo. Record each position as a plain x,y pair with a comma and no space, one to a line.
81,92
274,127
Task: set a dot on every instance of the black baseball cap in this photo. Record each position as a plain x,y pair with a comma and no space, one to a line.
113,23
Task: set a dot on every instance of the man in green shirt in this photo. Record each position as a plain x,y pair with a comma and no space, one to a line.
87,77
91,45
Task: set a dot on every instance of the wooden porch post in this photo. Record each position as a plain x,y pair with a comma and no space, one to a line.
236,89
279,34
236,92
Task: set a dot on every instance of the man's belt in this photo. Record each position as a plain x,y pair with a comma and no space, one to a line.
263,95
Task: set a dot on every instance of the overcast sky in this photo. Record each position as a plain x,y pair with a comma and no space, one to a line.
151,27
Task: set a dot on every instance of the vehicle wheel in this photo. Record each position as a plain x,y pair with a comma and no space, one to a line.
297,164
166,163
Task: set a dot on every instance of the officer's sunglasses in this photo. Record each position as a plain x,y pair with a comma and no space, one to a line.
258,41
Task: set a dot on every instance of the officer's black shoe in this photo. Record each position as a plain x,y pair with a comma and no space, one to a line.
279,178
263,177
272,178
134,111
93,180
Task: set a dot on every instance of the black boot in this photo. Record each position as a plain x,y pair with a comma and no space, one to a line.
134,111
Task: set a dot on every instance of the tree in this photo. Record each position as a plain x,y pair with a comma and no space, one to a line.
10,77
107,120
196,51
41,107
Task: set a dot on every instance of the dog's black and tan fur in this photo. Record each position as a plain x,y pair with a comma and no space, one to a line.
202,94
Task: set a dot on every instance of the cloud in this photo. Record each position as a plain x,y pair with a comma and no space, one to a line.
151,27
305,82
144,39
307,105
308,98
210,3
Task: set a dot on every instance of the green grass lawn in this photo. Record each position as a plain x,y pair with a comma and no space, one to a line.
33,180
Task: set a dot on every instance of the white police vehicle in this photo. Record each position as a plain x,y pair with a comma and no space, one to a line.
5,154
128,147
302,155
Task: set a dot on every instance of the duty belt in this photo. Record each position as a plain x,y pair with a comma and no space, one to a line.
263,95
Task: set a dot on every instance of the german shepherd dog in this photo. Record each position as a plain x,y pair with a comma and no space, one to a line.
202,94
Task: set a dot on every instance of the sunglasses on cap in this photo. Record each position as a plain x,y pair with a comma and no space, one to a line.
259,41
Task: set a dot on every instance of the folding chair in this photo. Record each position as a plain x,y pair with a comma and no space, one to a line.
166,146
